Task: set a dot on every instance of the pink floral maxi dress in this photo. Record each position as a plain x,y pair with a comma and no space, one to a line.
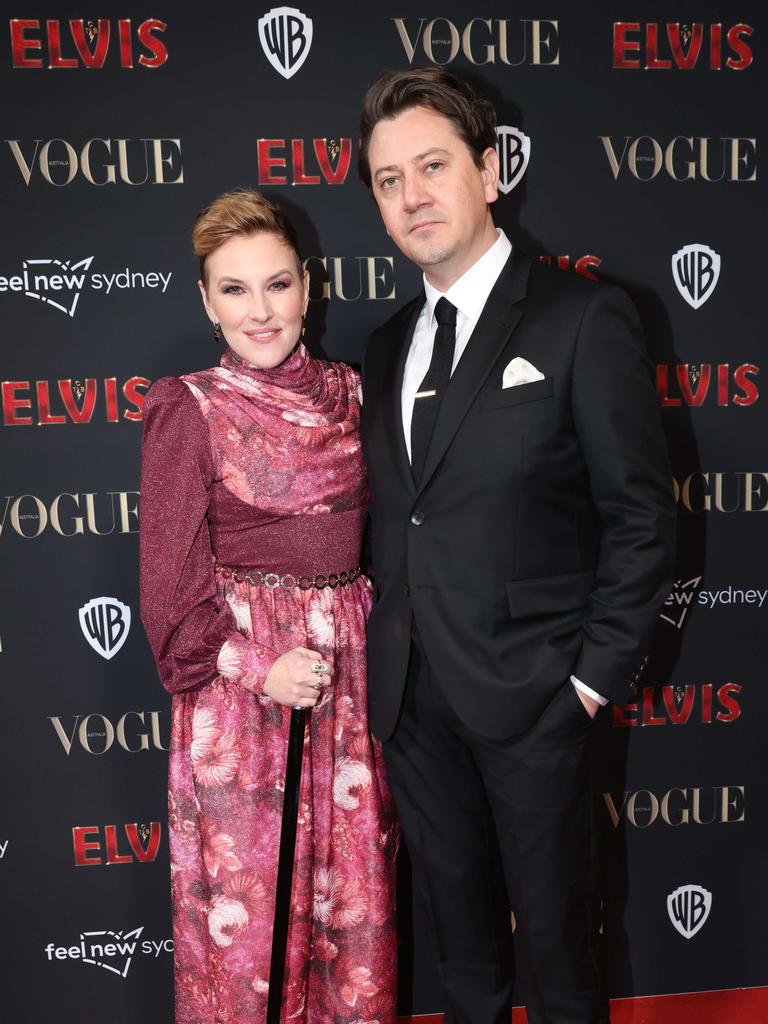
262,469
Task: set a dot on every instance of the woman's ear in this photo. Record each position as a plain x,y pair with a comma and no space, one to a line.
206,303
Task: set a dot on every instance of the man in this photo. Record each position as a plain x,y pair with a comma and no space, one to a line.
522,525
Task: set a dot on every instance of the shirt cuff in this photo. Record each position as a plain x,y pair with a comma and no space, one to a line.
590,693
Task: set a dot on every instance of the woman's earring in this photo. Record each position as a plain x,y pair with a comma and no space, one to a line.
217,331
303,328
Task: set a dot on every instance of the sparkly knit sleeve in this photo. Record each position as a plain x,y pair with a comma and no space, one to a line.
192,632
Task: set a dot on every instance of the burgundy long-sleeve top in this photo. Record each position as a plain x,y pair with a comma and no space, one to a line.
222,476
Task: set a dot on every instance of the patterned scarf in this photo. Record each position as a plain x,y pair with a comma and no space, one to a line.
285,439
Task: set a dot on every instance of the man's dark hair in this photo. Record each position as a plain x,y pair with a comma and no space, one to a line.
436,89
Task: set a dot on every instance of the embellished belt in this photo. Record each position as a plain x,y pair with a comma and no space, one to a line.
272,580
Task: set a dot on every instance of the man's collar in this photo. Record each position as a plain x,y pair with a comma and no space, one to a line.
470,293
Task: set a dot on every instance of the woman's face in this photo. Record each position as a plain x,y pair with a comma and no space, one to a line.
258,293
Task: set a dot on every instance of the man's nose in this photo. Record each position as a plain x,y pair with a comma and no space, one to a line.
415,195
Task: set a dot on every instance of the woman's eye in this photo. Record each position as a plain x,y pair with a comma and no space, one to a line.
233,289
280,286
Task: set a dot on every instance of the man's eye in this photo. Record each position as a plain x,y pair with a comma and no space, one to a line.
388,182
434,166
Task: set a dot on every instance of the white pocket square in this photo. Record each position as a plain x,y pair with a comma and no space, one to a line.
520,371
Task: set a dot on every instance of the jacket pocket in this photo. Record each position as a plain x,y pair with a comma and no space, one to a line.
518,395
549,594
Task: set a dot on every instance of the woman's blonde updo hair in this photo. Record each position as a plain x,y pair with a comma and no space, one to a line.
243,212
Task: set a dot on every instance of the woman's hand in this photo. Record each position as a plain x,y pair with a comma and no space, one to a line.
293,681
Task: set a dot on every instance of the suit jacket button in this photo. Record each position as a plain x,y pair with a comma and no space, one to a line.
407,590
417,518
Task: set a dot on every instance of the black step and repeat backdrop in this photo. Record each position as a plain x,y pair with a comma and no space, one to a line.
630,137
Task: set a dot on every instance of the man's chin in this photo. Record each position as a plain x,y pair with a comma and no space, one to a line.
429,255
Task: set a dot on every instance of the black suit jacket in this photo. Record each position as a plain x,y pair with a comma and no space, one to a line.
539,542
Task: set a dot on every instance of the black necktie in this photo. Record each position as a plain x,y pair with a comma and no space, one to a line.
426,404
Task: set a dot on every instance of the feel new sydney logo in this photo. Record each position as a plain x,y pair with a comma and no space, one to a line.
113,951
60,283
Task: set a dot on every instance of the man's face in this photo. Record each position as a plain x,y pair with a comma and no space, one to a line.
432,196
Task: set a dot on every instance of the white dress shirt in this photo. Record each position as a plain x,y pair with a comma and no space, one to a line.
469,295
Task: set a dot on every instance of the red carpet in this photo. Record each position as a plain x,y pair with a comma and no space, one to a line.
730,1006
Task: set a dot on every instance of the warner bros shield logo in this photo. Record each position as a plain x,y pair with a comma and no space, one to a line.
688,908
514,149
696,269
286,38
105,622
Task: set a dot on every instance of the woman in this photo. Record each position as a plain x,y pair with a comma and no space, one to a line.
253,498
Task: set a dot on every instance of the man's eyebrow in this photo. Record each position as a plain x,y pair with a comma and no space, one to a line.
434,151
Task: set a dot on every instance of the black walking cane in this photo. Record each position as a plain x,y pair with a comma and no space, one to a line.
285,863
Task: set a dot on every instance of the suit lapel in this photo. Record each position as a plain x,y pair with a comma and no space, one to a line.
498,320
397,353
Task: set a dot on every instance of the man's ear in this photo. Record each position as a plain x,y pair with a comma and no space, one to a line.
490,174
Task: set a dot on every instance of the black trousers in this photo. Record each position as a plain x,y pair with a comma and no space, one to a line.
495,824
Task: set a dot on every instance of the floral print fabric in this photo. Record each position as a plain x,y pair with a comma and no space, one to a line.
285,443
